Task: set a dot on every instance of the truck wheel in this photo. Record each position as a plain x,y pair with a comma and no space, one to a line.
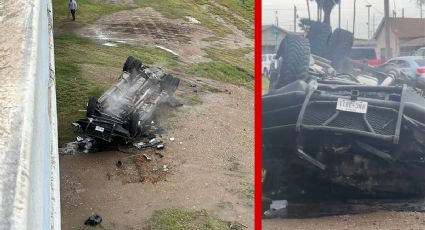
91,106
319,36
295,53
339,48
131,63
133,124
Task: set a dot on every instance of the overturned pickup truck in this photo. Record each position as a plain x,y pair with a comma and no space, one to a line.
329,134
126,109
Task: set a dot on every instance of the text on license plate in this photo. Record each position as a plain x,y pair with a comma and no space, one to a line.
351,106
100,129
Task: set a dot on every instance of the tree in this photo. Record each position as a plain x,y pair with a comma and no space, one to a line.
327,6
305,24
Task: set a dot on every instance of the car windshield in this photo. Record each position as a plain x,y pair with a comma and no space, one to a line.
420,62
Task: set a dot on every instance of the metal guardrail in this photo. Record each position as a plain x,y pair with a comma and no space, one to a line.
29,163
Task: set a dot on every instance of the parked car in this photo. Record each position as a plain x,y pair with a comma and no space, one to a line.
420,52
411,66
363,55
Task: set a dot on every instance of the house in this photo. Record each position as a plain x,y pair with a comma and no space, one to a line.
406,35
272,35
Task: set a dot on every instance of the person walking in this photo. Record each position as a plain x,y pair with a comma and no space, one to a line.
72,5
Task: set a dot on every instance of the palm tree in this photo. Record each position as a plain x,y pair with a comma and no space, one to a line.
327,6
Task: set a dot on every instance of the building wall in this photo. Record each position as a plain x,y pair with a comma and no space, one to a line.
270,41
380,45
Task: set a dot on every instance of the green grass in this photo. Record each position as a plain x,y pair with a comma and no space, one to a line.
88,11
75,83
227,65
196,8
229,16
181,219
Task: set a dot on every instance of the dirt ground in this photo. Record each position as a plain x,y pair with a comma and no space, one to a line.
210,166
371,221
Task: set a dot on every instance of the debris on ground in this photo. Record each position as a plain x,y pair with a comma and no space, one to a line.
338,129
93,220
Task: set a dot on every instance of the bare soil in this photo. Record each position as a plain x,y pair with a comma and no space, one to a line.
371,221
210,165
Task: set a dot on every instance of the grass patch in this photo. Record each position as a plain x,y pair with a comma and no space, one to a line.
75,84
229,16
227,65
199,9
175,9
244,8
265,82
88,11
181,219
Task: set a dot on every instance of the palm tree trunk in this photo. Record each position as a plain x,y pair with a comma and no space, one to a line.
327,18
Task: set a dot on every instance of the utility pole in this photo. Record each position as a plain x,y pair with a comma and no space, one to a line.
308,8
420,4
277,19
354,17
368,21
387,29
295,18
373,25
402,12
339,14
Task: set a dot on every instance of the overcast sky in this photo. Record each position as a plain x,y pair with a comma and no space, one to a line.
285,10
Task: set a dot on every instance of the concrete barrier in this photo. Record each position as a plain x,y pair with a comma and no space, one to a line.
29,163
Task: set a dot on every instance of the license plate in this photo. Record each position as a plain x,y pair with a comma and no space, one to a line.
351,106
100,129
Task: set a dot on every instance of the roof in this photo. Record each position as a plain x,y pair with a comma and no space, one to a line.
404,27
266,27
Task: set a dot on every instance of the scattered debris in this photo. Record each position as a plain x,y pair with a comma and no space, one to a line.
147,157
278,204
192,20
93,220
165,168
172,139
166,49
81,145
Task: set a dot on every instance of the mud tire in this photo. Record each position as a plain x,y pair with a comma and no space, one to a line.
130,64
295,53
319,36
339,48
91,106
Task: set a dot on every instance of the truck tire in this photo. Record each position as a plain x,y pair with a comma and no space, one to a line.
295,53
319,36
131,63
91,106
339,48
133,124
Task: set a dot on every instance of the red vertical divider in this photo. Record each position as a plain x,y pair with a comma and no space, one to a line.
257,123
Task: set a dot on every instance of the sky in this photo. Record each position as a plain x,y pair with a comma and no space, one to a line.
285,9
